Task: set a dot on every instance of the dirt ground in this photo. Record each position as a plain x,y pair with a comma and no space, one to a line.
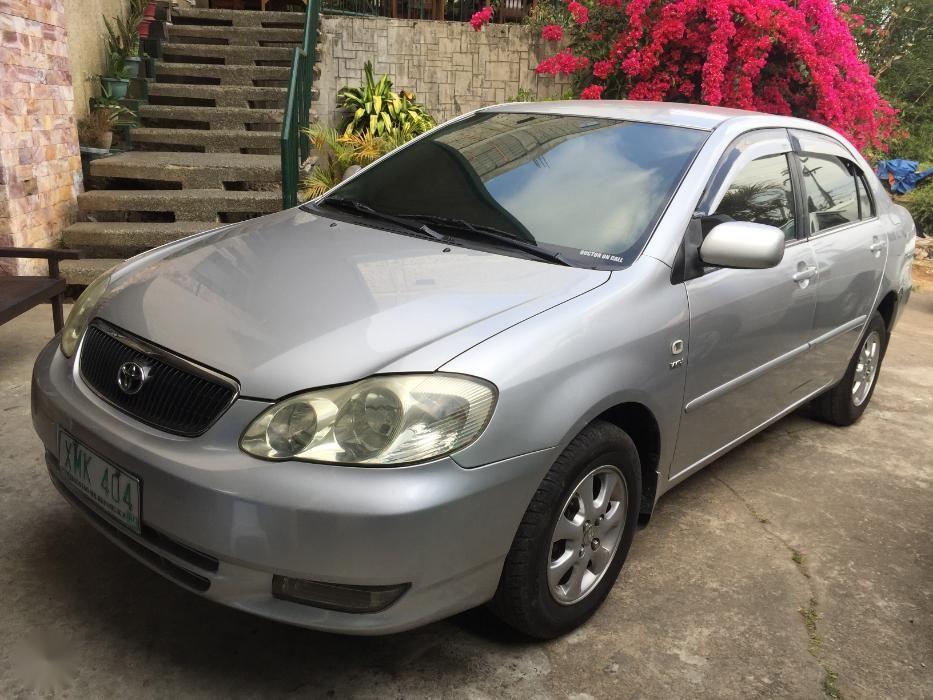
797,566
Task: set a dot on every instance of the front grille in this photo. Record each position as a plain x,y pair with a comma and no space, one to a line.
177,396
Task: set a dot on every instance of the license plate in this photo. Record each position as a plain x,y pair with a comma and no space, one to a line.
107,487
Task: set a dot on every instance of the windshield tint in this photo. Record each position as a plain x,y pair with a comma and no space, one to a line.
590,189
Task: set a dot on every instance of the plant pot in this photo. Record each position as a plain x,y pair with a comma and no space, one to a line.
143,28
116,86
150,11
132,63
104,141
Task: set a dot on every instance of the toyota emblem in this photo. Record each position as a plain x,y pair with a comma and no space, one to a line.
131,376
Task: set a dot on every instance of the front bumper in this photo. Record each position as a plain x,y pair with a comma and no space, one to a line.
222,523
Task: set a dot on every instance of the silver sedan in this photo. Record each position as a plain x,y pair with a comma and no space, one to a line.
463,375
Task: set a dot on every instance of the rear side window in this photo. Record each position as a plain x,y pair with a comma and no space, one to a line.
761,193
829,192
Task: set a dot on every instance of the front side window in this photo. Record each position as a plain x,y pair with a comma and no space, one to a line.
590,189
866,208
762,194
829,191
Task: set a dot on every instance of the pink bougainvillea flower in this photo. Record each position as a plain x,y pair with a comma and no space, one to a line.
482,18
592,92
563,63
793,57
579,12
552,32
602,69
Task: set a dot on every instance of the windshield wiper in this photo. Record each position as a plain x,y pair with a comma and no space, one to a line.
495,234
356,207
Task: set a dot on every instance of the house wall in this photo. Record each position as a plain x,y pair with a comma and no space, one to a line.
84,26
451,68
40,165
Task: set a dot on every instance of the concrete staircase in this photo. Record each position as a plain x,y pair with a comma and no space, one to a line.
207,150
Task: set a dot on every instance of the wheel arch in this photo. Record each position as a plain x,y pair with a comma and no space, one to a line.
640,424
887,308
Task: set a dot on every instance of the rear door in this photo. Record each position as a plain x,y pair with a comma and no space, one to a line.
749,329
850,244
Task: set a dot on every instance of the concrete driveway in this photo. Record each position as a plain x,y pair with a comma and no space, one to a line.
797,566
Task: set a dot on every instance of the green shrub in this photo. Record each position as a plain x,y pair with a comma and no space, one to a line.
920,205
337,152
374,108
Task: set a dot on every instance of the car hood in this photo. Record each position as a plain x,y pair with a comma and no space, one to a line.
296,300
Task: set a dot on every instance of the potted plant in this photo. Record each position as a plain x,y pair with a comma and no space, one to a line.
116,81
95,132
123,37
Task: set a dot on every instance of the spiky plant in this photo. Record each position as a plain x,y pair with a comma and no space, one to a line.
375,108
337,152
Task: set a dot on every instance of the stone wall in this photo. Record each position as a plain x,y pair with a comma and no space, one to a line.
84,24
40,165
451,68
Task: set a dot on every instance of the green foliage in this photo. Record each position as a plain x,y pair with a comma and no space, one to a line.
123,32
920,205
374,108
897,42
116,66
120,115
524,95
545,12
339,151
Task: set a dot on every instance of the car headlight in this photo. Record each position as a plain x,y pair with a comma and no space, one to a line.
81,314
383,420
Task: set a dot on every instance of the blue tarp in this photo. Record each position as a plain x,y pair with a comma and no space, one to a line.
901,175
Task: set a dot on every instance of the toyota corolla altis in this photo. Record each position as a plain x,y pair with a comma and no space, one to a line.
464,374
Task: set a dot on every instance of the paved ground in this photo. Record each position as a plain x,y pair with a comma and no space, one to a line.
797,566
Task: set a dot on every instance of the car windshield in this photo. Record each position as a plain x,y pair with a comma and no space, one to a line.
590,190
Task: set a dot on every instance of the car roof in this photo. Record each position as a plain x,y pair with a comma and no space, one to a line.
671,113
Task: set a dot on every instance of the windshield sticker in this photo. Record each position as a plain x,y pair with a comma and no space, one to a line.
601,256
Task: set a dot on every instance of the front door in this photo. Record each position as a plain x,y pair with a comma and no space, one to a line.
749,329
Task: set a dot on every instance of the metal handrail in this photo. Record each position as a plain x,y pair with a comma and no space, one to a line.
295,146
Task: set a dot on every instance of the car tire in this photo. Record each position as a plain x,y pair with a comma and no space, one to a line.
545,603
846,402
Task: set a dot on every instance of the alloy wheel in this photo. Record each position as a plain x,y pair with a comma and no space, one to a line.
867,368
587,533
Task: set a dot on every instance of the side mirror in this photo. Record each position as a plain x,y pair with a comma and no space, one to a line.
744,245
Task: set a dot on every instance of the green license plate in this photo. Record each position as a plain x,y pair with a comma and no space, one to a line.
106,487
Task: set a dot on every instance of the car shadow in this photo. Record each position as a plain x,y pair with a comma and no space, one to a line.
90,585
93,586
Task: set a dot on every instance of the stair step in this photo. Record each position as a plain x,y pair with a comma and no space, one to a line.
222,95
192,170
212,141
187,205
237,18
216,117
232,55
236,36
119,239
226,74
83,272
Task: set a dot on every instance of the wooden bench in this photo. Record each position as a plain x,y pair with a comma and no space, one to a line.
19,294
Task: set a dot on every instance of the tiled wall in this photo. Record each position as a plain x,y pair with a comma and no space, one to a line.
40,164
451,68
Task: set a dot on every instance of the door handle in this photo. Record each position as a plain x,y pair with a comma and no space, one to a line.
804,274
876,246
